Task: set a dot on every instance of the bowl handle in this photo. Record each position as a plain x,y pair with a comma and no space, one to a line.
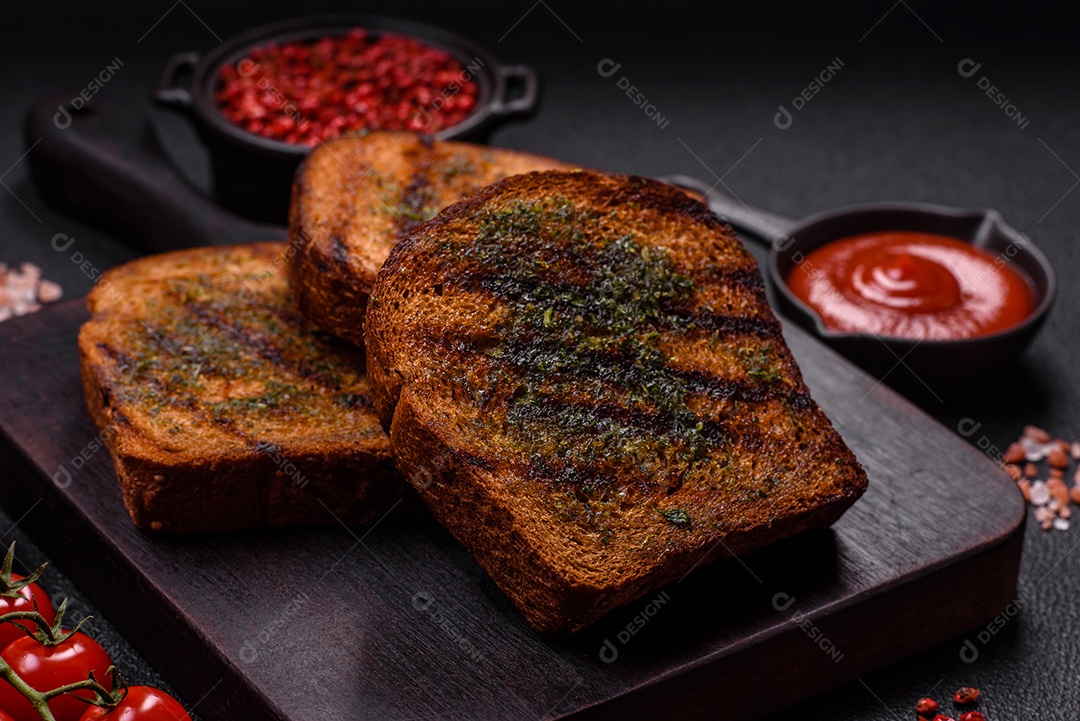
756,223
530,91
168,91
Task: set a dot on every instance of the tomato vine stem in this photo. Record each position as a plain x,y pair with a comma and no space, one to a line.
11,587
49,635
40,699
36,699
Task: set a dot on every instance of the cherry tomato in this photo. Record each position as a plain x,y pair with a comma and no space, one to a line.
5,717
47,667
23,602
142,703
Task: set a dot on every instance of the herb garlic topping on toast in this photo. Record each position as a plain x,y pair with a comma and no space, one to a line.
582,377
220,406
355,197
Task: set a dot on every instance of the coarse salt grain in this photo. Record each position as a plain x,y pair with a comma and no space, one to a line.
23,290
1040,494
1051,499
1035,450
1036,433
49,291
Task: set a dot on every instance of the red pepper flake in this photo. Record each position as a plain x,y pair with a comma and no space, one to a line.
312,90
1014,454
966,695
926,706
1057,458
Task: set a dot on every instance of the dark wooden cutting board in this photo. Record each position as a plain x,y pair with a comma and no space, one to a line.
398,621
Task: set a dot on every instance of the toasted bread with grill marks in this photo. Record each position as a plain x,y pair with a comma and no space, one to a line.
355,197
220,406
582,377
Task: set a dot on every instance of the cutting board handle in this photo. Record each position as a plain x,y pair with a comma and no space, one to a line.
101,162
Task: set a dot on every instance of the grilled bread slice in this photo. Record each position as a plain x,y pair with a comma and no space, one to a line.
581,376
355,197
220,406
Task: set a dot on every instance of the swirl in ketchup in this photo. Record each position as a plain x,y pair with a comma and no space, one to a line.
912,285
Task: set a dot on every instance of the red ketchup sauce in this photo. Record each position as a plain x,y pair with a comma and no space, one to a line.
912,285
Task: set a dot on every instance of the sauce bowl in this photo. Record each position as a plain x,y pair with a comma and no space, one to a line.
934,363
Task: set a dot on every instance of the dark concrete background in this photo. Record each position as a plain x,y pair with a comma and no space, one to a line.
897,122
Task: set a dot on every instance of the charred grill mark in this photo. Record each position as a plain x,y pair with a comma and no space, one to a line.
652,420
260,344
620,365
741,278
474,460
127,363
367,404
572,476
517,287
590,417
727,325
524,289
574,471
659,422
664,198
254,341
728,389
582,345
416,196
357,401
801,401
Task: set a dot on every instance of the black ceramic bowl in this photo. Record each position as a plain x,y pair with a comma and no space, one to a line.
935,364
252,174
